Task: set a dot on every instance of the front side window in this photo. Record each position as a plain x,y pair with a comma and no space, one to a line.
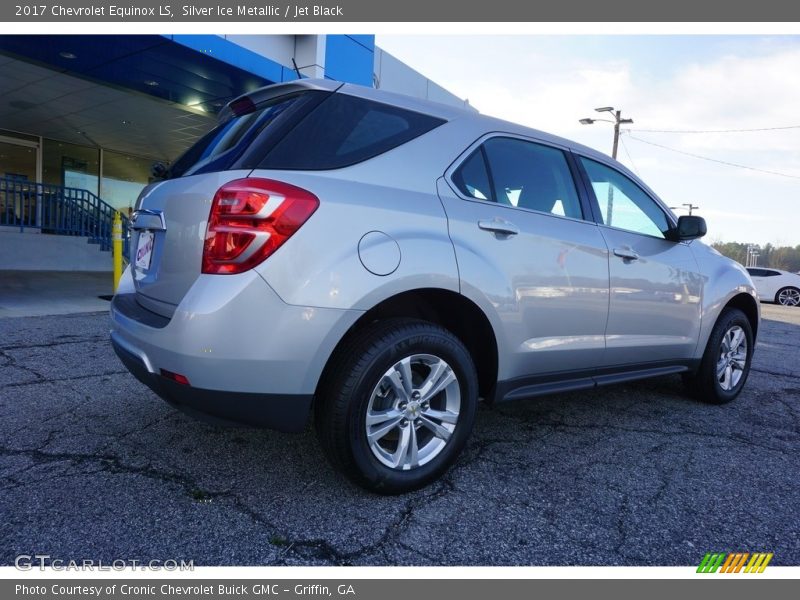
522,174
623,204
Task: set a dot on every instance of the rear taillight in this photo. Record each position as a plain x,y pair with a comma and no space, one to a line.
250,219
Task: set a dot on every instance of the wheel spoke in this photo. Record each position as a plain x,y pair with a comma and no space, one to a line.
413,447
443,416
374,435
395,379
378,417
434,375
404,369
727,381
445,377
438,430
402,446
721,366
406,454
738,339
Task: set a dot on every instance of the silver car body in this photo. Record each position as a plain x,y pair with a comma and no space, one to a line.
565,311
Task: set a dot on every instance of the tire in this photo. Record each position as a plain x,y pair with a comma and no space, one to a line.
726,361
788,296
365,378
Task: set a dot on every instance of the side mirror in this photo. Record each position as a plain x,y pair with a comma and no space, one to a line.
689,227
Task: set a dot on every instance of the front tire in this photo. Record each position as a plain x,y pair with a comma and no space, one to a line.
788,296
726,361
397,405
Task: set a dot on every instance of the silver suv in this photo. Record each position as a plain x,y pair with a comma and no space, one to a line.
386,262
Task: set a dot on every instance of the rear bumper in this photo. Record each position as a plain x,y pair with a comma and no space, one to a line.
283,412
248,356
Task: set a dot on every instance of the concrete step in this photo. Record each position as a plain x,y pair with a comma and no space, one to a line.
29,251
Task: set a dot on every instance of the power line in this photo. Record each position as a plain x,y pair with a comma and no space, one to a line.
722,162
714,130
630,158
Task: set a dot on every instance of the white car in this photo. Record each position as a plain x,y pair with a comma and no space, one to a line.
774,285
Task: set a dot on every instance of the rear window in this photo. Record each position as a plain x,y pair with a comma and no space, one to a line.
345,130
241,123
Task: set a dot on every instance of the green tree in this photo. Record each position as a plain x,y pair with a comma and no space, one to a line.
776,257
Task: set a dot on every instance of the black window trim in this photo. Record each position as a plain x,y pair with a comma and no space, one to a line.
489,174
595,205
583,198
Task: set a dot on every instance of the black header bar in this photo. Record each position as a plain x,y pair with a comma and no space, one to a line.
355,11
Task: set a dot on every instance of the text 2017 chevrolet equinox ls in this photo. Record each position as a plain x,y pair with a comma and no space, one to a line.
386,262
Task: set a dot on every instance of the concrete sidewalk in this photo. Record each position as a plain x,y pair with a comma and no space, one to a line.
37,293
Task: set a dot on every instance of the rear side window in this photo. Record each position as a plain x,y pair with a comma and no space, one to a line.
243,122
522,174
345,130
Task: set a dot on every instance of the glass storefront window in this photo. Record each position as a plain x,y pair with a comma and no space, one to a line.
17,170
124,176
17,162
71,165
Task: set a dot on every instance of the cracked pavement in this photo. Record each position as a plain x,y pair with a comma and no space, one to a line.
94,466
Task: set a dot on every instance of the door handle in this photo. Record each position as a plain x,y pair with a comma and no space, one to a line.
626,253
498,226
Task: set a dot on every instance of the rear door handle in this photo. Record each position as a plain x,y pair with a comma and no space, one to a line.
626,253
500,226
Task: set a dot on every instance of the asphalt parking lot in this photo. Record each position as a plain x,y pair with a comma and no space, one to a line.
95,466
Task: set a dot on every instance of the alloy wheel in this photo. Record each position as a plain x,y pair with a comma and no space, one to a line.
732,358
413,411
789,297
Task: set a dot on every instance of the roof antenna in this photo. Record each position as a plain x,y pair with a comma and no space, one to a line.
296,70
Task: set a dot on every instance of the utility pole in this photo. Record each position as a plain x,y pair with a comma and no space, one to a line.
617,116
618,120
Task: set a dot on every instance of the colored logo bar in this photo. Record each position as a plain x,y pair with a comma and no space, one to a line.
734,562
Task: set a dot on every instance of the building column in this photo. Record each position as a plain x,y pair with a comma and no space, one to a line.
309,54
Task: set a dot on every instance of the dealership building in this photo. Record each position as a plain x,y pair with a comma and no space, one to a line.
84,117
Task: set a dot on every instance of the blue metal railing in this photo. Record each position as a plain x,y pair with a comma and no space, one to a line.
59,210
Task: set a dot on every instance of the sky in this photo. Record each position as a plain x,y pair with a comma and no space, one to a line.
662,82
